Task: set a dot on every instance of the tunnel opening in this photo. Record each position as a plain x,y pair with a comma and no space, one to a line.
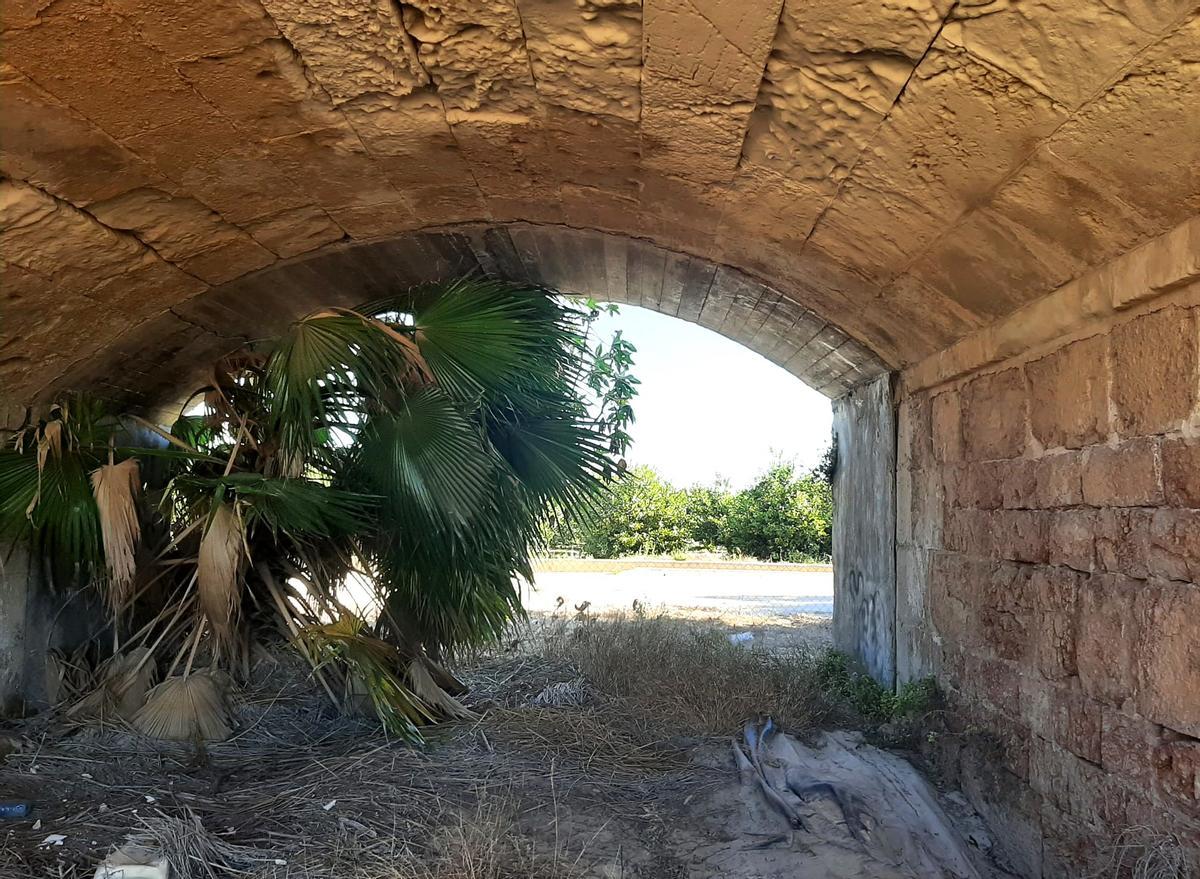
972,227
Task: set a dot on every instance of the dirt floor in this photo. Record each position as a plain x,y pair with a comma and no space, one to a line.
603,750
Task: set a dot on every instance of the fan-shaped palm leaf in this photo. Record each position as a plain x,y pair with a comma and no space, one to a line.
427,461
484,337
296,507
55,507
320,372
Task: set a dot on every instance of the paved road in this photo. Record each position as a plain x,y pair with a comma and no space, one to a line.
741,593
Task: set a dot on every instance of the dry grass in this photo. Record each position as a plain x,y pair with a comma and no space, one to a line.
483,844
1145,853
690,680
588,724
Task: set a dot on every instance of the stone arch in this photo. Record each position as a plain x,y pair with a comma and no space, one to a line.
158,358
997,202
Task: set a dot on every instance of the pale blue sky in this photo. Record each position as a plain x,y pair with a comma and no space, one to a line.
710,407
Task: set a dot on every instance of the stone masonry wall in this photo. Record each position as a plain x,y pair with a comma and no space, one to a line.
1049,560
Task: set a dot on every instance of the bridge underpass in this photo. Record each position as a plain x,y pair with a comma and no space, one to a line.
974,227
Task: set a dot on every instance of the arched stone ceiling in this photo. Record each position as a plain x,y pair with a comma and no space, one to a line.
174,350
906,171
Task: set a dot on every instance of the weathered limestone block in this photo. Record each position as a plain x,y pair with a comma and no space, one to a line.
1071,211
1058,481
193,30
587,56
976,486
1173,549
208,157
1123,541
1127,743
126,86
408,137
1007,613
992,265
263,88
1073,539
53,239
333,169
994,416
1055,593
474,53
1128,475
925,319
1112,624
1071,389
1168,657
1155,371
353,47
815,116
995,683
1177,770
1101,139
961,127
746,206
147,289
1018,483
295,231
834,72
1064,715
702,65
184,232
1052,45
1069,783
1181,472
1167,263
512,160
45,142
580,156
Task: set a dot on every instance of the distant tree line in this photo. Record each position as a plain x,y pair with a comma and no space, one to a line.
786,515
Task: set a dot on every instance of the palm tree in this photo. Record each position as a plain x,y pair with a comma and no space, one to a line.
418,443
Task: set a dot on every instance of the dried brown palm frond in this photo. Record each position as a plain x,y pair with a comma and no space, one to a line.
69,677
219,569
124,681
115,487
423,684
191,708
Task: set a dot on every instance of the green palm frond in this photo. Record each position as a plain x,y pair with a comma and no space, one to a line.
561,462
484,337
321,370
295,507
427,461
55,508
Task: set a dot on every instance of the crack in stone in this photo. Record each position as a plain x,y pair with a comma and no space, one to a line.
882,122
120,233
1121,75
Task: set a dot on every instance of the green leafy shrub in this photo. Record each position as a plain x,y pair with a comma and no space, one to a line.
782,517
642,515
